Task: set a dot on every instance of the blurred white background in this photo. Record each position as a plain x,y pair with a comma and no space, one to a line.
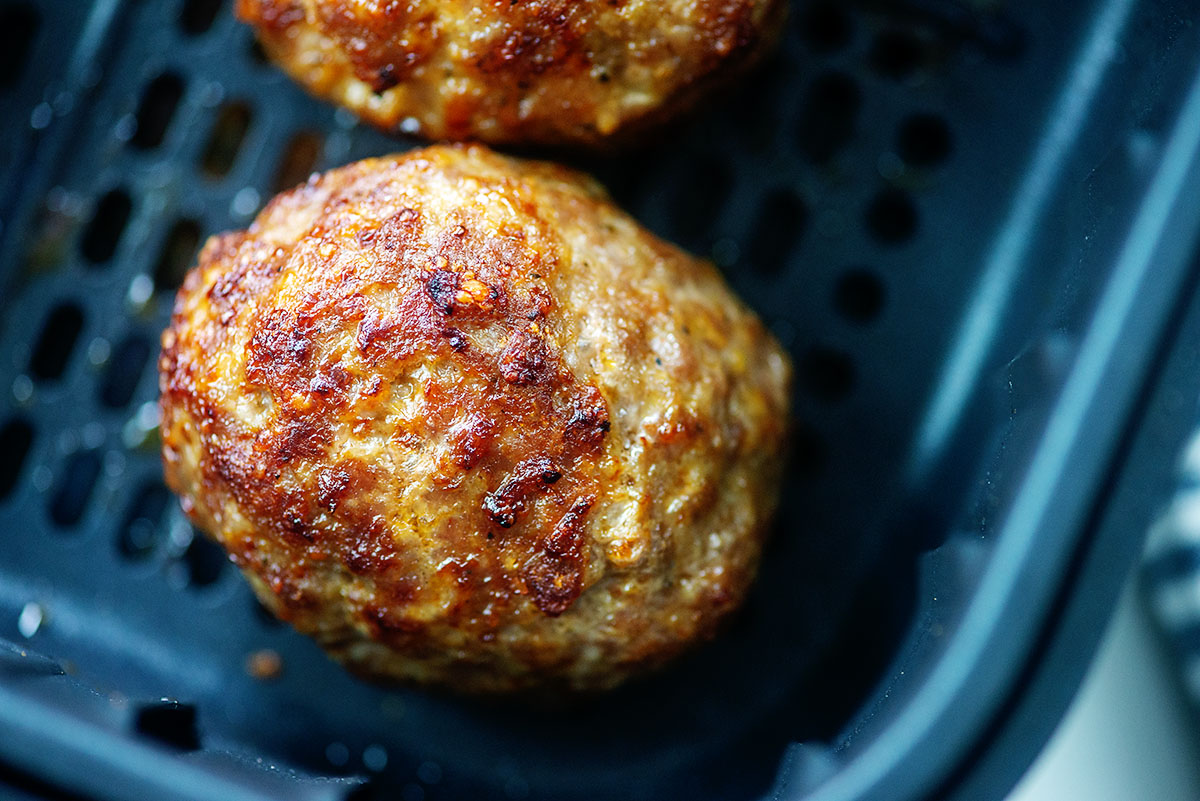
1129,735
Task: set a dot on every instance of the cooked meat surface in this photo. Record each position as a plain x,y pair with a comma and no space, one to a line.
513,71
465,422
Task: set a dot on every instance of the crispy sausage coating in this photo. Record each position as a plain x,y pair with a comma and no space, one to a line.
514,71
466,423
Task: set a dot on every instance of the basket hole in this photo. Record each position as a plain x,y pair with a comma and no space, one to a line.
828,117
429,772
924,140
140,531
16,438
298,160
755,112
367,791
225,140
198,15
57,340
779,225
171,723
75,484
698,201
810,451
178,251
826,27
859,296
205,561
257,54
897,54
18,26
827,374
104,230
124,370
159,102
892,217
628,180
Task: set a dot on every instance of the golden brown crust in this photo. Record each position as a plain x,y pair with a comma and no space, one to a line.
514,71
464,421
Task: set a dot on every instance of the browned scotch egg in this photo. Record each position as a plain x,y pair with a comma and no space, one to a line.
463,421
514,71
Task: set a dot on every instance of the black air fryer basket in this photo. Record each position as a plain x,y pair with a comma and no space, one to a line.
972,222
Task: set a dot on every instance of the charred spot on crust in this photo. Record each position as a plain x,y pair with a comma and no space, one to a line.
295,520
566,538
523,360
300,438
385,79
397,230
385,621
455,339
541,37
280,350
228,284
554,583
373,332
442,287
328,380
332,483
472,441
369,40
589,417
509,499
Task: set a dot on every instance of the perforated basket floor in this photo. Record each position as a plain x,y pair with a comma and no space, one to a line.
855,190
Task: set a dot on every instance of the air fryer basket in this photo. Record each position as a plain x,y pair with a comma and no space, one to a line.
968,221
